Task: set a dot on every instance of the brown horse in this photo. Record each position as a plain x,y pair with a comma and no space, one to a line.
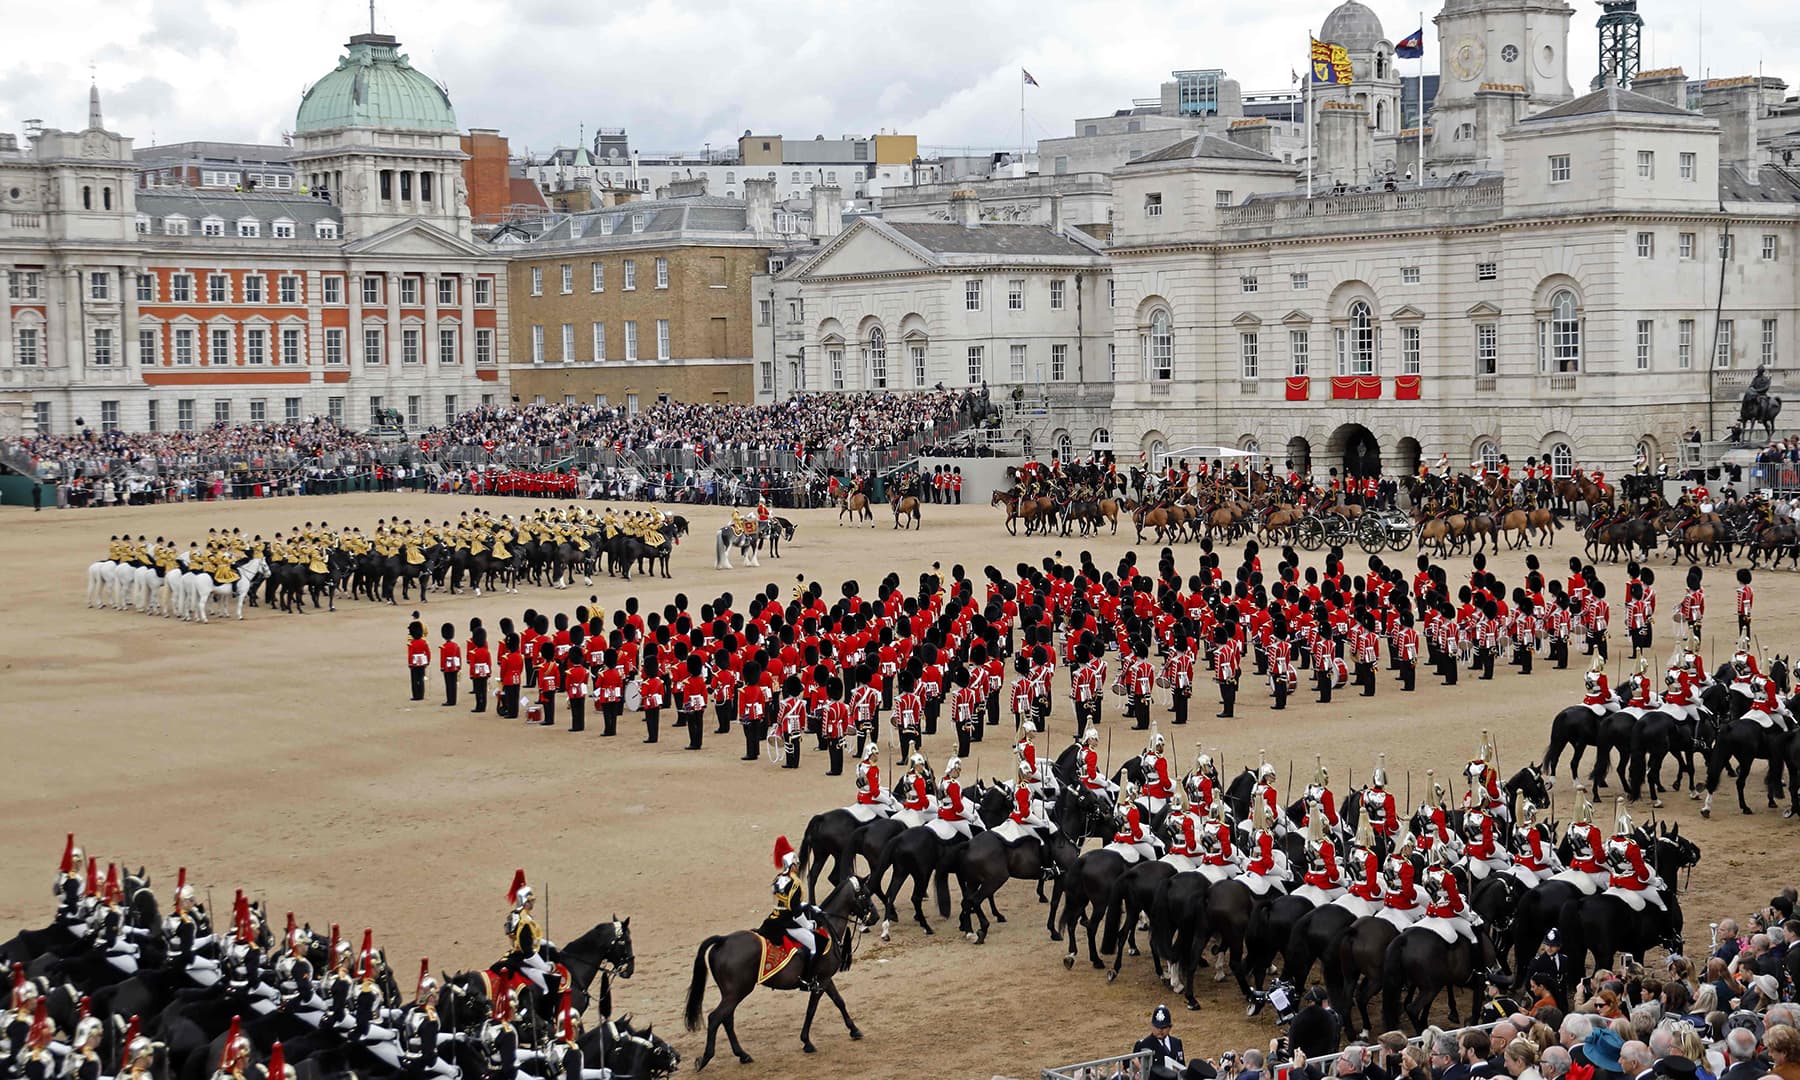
1715,538
736,962
1278,525
1159,518
1017,509
1526,523
906,510
1775,543
856,504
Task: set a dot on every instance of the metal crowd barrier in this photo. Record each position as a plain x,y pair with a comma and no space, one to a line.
1127,1066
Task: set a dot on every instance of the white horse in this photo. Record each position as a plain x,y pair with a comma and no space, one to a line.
749,545
249,573
100,582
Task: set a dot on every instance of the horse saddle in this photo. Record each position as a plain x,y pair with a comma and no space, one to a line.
1181,863
943,830
862,813
1581,879
1357,906
912,819
1256,883
1634,899
1128,852
1400,918
775,955
1443,928
1318,896
414,556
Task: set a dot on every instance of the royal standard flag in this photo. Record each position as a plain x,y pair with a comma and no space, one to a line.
1330,63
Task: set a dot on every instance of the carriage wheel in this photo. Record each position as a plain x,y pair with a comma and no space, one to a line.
1399,539
1371,536
1310,534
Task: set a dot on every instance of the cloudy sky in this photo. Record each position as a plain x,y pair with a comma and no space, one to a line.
680,73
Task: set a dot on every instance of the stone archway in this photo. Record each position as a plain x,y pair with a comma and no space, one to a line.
1299,455
1409,452
1356,450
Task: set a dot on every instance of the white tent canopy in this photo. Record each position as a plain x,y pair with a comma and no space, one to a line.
1223,452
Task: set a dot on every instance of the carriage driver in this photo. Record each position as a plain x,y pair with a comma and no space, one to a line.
792,915
528,945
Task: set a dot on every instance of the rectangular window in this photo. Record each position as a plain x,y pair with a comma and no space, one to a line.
154,417
1723,355
290,346
631,340
1016,362
662,339
662,273
409,345
184,414
1686,245
222,410
1015,294
219,346
1112,293
1059,363
334,409
597,271
972,294
409,291
1646,245
446,290
834,361
599,342
259,410
1247,283
1771,247
147,347
1487,271
1297,282
1647,164
181,288
1153,204
630,274
917,354
1412,360
253,288
1768,342
375,409
977,364
218,288
765,374
1684,344
103,348
1688,162
484,291
334,346
212,227
256,346
765,312
1112,361
1727,247
109,416
484,346
24,285
372,351
1559,168
146,287
1487,349
1058,289
449,409
1248,343
1410,275
568,278
447,345
289,285
537,344
284,230
568,343
371,290
1222,198
1645,329
414,403
40,414
184,347
100,285
537,281
1299,352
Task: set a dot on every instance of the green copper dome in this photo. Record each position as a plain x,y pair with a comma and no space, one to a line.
375,87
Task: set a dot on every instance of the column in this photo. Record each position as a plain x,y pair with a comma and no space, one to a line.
391,339
428,348
6,326
126,348
73,348
465,295
353,282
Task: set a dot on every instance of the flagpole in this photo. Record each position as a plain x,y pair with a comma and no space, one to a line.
1310,74
1021,121
1421,117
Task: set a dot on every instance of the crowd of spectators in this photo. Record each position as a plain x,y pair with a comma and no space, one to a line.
1732,1016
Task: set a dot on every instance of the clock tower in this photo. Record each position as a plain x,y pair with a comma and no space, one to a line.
1500,61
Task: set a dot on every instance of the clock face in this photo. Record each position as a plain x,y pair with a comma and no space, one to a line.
1469,57
1509,53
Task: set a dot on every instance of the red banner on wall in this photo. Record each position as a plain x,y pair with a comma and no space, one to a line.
1299,388
1406,388
1355,387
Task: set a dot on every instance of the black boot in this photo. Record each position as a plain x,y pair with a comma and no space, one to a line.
809,973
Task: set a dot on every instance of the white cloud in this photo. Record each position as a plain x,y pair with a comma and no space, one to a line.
678,73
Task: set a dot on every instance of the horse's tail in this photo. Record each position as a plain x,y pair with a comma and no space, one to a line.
697,987
1393,985
806,839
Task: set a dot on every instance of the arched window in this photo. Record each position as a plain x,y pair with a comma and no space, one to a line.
1159,348
1559,336
1489,456
1562,461
877,353
1251,446
1356,342
1381,66
1065,446
87,197
1155,449
106,198
1381,114
1101,439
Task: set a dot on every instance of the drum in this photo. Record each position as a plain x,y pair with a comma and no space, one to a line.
634,696
534,713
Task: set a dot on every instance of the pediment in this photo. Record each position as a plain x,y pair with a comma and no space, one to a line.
416,238
866,249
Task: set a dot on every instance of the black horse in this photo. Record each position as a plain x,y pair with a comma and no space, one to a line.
1419,964
988,862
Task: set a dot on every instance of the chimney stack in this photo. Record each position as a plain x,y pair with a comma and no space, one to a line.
827,211
759,194
1056,214
1667,85
1737,104
965,208
1251,133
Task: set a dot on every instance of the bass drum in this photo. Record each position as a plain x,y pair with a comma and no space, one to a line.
634,696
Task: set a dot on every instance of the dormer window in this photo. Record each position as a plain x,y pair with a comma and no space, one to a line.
175,225
212,226
143,224
606,225
283,229
249,228
326,230
637,222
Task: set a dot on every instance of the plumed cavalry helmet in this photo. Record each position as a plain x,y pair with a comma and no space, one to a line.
871,750
72,857
1622,823
1321,775
1090,736
235,1054
785,856
917,761
278,1067
1584,814
1259,814
1203,763
519,894
1379,779
1027,728
1156,743
1365,832
1528,814
427,988
1024,768
1265,773
952,767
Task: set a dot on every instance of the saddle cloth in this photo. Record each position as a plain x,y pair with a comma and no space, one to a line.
1443,928
1181,863
1125,851
1257,883
775,957
912,819
944,830
863,813
1358,906
1401,919
1634,899
1318,896
1216,874
1012,832
1580,879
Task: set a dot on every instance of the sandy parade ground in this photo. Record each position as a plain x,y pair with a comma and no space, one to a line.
281,755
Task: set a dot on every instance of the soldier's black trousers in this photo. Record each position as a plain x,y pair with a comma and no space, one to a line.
835,754
727,714
577,714
696,728
479,687
449,687
417,674
548,701
508,706
652,720
750,741
1182,697
1407,672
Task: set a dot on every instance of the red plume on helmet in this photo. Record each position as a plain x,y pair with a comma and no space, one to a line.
84,1008
68,859
40,1033
240,921
331,950
93,879
277,1063
518,882
287,937
180,880
367,956
782,850
131,1033
113,892
18,983
231,1036
424,973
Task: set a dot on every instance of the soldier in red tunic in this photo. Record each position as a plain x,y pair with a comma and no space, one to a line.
418,657
450,661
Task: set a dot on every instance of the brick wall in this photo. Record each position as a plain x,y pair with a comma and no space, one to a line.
485,173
